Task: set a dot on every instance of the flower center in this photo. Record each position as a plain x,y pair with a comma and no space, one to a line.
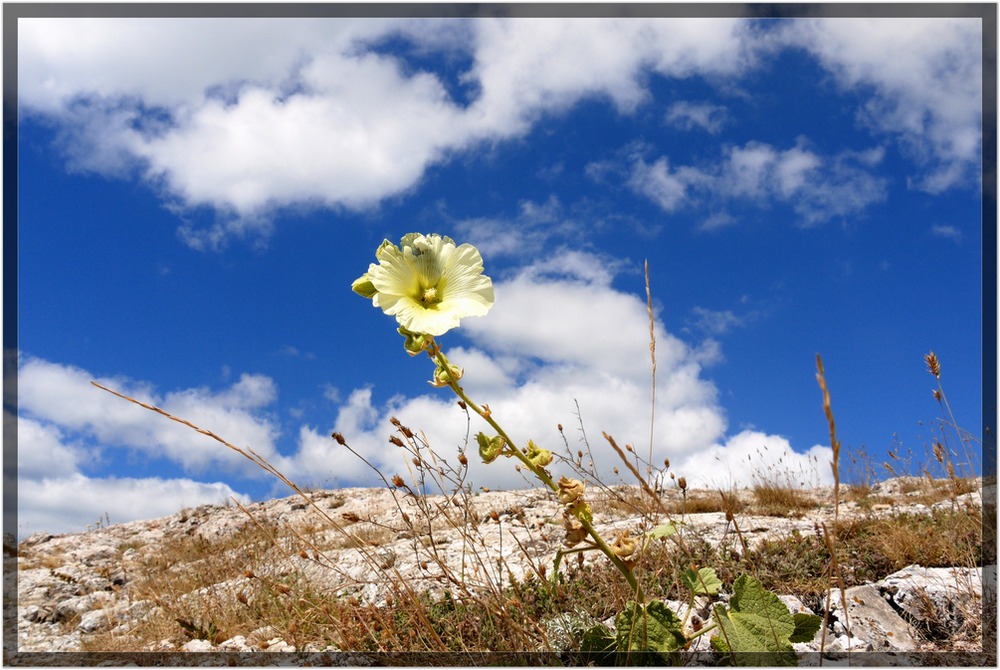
429,296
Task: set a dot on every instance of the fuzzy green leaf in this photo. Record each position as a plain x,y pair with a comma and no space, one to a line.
702,582
653,627
756,622
598,640
806,627
663,530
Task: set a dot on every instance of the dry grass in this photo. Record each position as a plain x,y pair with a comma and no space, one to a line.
199,594
772,500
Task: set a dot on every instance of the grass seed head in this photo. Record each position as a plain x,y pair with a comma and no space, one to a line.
933,364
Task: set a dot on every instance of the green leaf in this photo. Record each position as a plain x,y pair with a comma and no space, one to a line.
653,627
702,582
663,530
756,622
598,640
806,626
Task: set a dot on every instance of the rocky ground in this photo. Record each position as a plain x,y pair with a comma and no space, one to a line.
71,588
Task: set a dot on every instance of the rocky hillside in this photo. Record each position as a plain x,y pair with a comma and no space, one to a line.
168,585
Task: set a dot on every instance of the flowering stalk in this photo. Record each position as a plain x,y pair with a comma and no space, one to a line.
443,364
429,283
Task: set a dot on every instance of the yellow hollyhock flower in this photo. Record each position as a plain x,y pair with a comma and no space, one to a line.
428,283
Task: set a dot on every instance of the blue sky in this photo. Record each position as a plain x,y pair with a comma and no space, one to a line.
196,196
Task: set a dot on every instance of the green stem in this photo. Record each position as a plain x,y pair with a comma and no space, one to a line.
434,351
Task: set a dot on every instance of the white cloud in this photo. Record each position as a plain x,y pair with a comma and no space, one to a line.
754,457
62,396
561,338
592,58
71,503
947,232
818,188
715,322
667,189
559,334
690,115
251,115
926,75
41,452
525,235
247,115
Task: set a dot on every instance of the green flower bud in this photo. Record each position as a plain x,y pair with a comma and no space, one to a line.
363,286
443,377
489,448
582,511
415,342
539,457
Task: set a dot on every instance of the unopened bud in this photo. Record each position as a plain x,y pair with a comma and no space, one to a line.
445,376
490,448
539,457
415,342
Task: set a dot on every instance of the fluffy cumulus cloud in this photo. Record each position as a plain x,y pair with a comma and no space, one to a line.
60,396
75,502
562,345
560,340
332,117
67,427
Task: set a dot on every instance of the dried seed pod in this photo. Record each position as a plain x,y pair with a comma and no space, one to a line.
461,403
575,532
339,438
395,440
623,546
570,490
462,459
682,483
